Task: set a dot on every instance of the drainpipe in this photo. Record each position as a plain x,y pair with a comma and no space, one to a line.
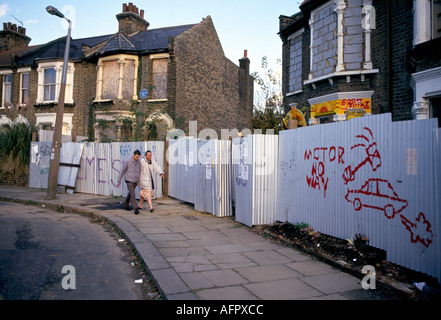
389,56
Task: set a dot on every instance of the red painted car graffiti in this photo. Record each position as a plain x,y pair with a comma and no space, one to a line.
377,194
372,156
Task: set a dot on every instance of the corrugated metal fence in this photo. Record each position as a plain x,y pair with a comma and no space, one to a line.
367,176
200,172
100,165
255,178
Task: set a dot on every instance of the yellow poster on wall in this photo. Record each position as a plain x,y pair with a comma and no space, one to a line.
340,106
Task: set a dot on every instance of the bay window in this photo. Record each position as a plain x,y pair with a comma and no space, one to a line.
49,82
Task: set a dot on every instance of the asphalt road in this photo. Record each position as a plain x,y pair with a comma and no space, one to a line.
36,243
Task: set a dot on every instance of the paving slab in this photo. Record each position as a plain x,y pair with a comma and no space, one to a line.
286,289
333,282
193,255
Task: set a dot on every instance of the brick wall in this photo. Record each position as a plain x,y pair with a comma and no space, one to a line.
84,92
401,37
202,85
207,86
10,179
83,95
400,93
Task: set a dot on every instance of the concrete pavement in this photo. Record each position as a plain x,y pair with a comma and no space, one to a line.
197,256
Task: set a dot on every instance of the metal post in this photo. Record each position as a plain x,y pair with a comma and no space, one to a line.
54,165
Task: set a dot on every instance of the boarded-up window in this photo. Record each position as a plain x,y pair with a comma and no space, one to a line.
110,79
108,131
160,78
126,132
129,77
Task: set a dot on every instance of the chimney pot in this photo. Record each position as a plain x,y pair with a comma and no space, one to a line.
245,54
131,23
15,39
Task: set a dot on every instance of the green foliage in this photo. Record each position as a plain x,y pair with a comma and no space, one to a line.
138,125
269,118
268,112
15,144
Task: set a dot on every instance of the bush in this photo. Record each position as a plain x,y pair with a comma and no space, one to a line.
15,145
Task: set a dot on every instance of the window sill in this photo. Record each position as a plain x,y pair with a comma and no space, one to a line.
102,100
341,74
115,100
289,94
51,103
157,100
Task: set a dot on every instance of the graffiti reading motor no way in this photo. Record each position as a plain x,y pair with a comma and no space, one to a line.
376,193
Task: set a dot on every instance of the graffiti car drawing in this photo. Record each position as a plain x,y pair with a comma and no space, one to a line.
377,194
372,156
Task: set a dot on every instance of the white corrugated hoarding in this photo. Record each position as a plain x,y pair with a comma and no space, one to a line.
182,169
214,178
200,173
255,160
367,176
100,165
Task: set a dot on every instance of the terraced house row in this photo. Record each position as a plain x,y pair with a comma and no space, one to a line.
183,68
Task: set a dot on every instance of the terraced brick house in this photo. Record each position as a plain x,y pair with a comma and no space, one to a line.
183,68
348,58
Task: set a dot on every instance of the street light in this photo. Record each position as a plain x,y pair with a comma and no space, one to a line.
54,165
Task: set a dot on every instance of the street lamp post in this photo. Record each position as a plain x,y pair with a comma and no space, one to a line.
54,165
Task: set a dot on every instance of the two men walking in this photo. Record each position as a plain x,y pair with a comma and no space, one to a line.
140,172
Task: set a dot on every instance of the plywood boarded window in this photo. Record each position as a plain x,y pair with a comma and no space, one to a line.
110,79
160,78
129,77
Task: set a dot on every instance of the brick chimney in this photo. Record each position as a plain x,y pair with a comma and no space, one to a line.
131,19
12,37
244,63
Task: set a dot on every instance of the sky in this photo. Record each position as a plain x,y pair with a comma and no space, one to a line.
241,24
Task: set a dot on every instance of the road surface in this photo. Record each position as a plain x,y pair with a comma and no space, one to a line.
49,255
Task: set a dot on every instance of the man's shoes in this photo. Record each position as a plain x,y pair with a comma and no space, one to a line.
136,211
127,208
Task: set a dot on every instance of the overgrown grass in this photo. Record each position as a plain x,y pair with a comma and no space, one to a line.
15,145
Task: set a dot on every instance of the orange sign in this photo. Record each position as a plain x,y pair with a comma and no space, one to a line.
340,106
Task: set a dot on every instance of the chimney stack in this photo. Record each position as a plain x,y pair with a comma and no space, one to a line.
13,37
131,20
244,63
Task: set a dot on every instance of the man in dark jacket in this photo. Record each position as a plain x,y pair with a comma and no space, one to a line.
131,170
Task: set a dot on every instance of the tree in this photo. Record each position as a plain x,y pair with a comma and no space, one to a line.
268,112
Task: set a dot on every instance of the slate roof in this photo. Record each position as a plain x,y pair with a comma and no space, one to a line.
157,39
141,42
